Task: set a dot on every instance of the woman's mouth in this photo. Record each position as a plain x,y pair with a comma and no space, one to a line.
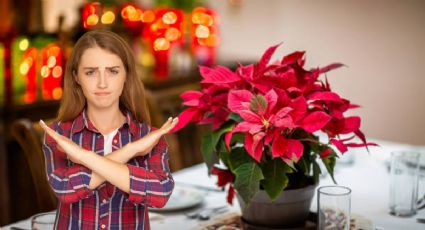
102,93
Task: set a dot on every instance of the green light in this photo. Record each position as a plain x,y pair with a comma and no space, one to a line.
24,44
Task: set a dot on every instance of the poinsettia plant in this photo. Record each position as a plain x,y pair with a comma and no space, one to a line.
266,119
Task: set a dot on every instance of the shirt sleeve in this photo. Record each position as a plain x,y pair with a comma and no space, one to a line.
153,183
69,181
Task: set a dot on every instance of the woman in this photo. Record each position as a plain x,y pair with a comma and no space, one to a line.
103,161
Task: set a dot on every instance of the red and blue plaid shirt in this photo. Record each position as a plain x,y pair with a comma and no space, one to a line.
106,207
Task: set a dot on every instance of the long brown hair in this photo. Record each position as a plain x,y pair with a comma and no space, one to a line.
133,95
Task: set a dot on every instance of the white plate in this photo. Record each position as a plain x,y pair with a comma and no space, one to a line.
183,197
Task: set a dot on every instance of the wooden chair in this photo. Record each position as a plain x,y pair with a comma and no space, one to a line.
29,136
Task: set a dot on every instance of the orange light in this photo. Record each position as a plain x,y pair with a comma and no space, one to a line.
26,65
131,13
57,72
108,17
197,17
45,71
161,44
158,25
24,68
212,40
57,93
202,31
127,11
51,62
169,18
139,15
148,16
53,51
207,20
135,16
172,34
92,20
199,9
92,7
202,41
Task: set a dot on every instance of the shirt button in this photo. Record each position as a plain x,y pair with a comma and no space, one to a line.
115,141
104,201
102,226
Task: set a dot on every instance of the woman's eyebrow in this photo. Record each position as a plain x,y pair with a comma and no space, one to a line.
109,67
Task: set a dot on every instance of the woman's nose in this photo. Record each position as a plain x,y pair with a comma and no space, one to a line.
102,82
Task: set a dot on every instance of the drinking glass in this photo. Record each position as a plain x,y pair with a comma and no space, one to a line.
334,208
404,175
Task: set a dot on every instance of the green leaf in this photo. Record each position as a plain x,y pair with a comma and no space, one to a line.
247,181
303,165
316,172
209,145
258,104
237,157
330,164
207,150
236,117
224,154
237,138
275,180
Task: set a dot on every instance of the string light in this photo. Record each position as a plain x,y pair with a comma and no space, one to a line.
92,20
24,44
169,18
108,17
51,62
148,16
202,31
45,71
57,71
172,34
57,93
161,44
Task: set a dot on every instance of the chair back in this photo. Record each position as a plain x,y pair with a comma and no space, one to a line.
29,135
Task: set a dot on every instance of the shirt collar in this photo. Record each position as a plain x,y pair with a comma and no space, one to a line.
82,120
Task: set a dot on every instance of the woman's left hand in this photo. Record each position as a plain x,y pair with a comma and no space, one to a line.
64,144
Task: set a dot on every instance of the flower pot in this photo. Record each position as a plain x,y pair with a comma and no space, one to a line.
290,209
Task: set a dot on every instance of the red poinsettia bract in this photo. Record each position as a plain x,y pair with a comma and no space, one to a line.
273,100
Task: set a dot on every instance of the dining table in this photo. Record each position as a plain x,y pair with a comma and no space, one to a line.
366,173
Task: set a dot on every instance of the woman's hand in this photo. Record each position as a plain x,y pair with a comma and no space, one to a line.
146,144
64,144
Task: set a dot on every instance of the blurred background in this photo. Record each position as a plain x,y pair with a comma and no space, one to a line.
381,42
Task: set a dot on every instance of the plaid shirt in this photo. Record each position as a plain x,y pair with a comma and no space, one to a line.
106,207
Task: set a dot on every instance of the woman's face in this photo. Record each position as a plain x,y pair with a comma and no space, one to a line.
101,75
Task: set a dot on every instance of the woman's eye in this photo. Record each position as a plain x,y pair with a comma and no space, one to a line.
114,71
89,73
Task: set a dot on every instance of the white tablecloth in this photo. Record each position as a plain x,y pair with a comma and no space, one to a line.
368,177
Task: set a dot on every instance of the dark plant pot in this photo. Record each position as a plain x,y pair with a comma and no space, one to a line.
290,209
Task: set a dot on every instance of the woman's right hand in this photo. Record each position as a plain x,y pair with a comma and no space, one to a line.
64,144
147,143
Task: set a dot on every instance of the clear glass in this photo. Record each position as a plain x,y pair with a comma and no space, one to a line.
404,175
334,208
43,221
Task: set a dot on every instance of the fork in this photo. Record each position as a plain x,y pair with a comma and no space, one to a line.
206,214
